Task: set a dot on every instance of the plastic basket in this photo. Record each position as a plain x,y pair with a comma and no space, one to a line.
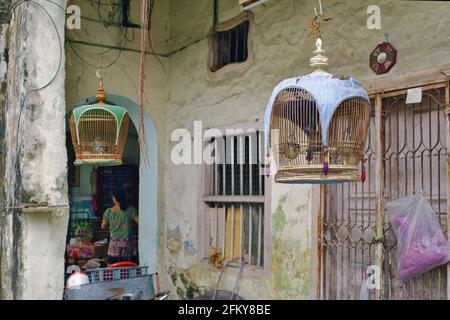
106,274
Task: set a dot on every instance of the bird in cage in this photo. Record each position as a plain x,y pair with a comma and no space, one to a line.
313,135
310,150
99,146
345,152
309,154
292,148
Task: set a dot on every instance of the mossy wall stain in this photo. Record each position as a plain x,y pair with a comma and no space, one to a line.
186,287
291,261
33,158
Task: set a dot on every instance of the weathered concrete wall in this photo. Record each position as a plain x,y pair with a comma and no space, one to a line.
282,47
234,99
33,244
183,93
4,44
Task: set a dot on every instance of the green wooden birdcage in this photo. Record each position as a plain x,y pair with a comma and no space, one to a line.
99,132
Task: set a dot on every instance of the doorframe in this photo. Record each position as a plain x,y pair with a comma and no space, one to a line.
378,90
148,181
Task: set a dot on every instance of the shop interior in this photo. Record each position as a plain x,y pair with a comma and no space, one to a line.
90,190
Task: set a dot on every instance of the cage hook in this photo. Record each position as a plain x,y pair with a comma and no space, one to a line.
101,93
319,17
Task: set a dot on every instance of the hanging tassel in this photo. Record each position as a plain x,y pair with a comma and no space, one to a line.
309,154
267,167
326,162
363,170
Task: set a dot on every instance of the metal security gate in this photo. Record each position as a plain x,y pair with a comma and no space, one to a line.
406,153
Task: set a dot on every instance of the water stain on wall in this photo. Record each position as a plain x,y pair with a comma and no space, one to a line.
173,242
186,288
291,265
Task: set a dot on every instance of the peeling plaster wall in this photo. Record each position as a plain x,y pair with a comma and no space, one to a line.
282,47
4,39
183,93
33,244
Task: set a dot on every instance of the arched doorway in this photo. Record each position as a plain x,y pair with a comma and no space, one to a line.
148,181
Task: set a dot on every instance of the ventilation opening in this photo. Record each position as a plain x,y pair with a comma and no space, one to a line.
127,13
230,46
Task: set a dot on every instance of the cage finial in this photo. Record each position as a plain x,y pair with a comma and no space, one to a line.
101,93
319,61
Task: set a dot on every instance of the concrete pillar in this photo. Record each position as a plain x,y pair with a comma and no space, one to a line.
35,169
4,37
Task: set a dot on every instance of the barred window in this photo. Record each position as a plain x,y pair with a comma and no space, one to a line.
230,46
235,199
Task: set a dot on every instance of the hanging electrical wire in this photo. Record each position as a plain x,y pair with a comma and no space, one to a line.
215,14
23,100
150,43
114,9
118,43
93,65
145,24
59,61
112,12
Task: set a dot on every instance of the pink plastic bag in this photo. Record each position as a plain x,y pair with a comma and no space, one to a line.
421,244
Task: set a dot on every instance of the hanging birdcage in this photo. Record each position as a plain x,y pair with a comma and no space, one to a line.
316,126
99,132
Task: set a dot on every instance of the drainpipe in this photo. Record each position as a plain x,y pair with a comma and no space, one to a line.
255,4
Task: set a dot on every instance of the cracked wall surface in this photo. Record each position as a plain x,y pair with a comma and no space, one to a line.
282,46
33,244
4,41
184,93
179,91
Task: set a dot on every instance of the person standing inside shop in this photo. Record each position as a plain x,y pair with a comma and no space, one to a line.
119,221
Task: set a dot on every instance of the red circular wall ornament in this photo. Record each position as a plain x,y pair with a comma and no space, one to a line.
383,58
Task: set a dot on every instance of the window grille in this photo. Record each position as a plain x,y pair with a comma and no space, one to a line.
413,154
235,198
230,46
